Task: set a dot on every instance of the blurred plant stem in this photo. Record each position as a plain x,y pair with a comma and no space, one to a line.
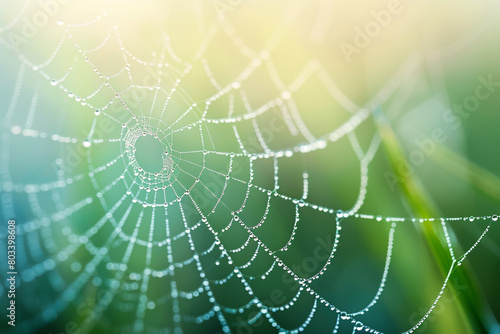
480,178
472,304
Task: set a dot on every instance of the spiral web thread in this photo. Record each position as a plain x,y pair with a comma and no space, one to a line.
138,203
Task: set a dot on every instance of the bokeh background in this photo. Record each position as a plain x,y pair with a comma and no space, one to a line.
414,84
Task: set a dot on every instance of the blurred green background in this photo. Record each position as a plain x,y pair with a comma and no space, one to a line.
96,71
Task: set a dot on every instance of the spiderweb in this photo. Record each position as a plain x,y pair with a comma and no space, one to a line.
168,201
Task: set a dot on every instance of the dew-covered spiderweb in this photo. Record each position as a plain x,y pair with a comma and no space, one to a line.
174,168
